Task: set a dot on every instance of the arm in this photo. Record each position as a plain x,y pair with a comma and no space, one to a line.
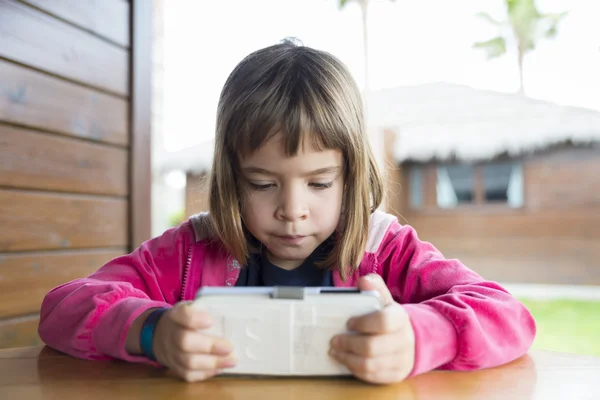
461,321
91,317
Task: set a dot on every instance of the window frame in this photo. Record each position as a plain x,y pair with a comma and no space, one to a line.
479,204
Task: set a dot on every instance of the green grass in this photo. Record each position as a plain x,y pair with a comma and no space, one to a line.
569,326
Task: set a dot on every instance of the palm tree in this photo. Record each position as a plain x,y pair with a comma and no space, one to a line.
364,5
526,24
377,139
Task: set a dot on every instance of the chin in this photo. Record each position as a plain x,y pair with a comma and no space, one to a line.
290,255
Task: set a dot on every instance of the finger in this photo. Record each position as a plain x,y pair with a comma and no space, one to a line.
382,377
187,316
192,341
368,345
375,282
203,362
390,319
191,376
367,366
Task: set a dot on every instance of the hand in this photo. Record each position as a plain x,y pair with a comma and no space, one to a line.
190,354
381,347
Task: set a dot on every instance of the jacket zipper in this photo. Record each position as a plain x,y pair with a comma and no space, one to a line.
186,273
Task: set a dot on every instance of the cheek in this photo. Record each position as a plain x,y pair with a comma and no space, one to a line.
327,208
255,207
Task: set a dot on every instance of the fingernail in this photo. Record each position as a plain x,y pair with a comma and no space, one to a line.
371,277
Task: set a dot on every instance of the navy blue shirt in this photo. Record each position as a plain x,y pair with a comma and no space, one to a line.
261,272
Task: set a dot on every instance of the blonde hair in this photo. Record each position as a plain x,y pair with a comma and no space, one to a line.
297,91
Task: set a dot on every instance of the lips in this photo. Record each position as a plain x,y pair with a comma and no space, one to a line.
292,240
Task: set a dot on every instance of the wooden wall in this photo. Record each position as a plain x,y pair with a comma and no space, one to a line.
74,78
554,238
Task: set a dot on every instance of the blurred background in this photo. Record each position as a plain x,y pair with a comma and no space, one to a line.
485,116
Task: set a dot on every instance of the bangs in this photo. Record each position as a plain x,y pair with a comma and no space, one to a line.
294,98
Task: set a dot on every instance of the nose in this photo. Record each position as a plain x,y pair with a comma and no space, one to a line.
292,206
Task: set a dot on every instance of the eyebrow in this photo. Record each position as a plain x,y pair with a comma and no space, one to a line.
262,171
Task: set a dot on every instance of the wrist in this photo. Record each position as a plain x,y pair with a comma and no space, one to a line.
132,342
148,332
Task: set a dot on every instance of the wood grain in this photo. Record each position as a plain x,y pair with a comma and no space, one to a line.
563,261
43,161
33,38
34,373
565,179
107,18
572,223
44,221
19,332
25,278
39,101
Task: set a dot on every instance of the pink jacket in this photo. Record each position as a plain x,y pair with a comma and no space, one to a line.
461,321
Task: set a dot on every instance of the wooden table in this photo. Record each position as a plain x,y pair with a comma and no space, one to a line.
41,373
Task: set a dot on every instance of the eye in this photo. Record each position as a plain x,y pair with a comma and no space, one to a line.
258,187
322,186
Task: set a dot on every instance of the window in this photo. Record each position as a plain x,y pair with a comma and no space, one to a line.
503,183
454,185
416,187
451,186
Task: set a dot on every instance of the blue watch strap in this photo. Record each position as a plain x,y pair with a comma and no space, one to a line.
147,332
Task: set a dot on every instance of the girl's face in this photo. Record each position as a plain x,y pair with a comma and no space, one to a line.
292,204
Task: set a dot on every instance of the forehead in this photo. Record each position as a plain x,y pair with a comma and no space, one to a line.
272,156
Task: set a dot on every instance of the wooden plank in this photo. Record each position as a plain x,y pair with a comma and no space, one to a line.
24,352
563,179
568,223
25,278
36,160
39,101
141,117
44,221
430,185
33,38
525,259
19,332
107,18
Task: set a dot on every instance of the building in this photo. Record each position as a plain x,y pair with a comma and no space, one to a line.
508,184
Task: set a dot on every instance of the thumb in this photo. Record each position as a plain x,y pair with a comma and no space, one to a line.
375,282
190,316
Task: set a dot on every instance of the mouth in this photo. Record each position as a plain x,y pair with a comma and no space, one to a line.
291,239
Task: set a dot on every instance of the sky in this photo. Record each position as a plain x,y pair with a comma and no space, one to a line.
410,43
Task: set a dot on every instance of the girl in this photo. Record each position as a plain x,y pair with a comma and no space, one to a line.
293,198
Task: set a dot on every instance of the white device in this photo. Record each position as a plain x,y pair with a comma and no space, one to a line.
283,330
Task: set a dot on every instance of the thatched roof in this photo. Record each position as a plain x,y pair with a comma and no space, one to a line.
195,159
443,121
